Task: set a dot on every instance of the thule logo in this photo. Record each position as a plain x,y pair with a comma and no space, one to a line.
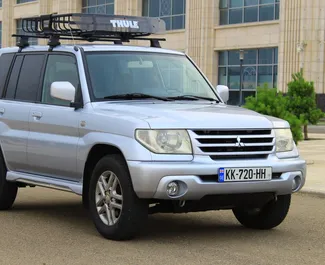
125,24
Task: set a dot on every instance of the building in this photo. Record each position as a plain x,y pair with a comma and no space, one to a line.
278,37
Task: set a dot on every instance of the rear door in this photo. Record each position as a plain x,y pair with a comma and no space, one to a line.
19,92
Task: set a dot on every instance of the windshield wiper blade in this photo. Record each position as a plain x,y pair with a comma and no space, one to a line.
135,96
193,97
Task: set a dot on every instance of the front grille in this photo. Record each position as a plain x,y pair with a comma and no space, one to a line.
234,144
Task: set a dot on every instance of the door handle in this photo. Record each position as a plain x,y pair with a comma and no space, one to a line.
37,114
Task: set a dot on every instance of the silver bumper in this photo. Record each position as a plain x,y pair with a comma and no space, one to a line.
151,178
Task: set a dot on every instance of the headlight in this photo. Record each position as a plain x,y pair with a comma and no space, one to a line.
165,141
284,140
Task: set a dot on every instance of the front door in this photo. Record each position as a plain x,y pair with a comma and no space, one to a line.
54,135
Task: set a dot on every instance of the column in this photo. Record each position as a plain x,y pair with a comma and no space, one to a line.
8,26
200,18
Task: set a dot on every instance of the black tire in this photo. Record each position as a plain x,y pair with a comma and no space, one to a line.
8,190
270,216
134,212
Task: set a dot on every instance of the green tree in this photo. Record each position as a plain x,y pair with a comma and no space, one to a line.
270,102
301,101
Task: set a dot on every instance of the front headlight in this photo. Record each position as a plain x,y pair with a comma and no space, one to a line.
165,141
284,140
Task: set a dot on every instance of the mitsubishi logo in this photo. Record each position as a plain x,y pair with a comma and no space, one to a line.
239,143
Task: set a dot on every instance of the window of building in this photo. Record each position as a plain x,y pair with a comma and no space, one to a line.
24,1
19,30
98,7
171,11
0,3
245,11
260,68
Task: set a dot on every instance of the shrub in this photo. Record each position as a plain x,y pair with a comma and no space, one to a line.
302,101
270,102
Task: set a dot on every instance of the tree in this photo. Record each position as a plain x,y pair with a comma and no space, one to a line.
273,103
301,101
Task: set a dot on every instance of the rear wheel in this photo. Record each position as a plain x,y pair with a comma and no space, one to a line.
8,190
117,212
268,217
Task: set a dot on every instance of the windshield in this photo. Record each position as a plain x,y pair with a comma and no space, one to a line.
160,75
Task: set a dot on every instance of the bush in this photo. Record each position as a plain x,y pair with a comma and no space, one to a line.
302,101
273,103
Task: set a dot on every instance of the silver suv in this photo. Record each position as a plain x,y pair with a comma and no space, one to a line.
135,130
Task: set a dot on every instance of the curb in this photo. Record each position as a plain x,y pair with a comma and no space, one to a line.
311,191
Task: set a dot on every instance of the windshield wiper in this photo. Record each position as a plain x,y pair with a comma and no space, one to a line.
193,97
135,96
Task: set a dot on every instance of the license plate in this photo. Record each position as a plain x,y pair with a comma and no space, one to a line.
245,174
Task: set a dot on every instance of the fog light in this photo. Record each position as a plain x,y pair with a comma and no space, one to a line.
172,188
296,183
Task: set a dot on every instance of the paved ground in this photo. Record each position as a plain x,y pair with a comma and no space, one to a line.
316,128
50,227
313,151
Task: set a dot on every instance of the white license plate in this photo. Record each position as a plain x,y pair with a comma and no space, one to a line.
245,174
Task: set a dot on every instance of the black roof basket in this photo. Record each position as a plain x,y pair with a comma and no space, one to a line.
90,27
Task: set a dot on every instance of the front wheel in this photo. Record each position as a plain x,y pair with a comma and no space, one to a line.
117,212
268,217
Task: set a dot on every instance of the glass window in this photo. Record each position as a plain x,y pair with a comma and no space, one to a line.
246,11
171,11
12,84
251,14
0,3
165,75
59,68
24,1
259,68
266,12
29,77
98,7
5,63
19,30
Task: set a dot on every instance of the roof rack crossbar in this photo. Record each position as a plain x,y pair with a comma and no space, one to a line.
91,27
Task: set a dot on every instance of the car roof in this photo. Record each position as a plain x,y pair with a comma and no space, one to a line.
92,47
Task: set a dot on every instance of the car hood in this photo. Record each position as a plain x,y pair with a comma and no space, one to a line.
189,115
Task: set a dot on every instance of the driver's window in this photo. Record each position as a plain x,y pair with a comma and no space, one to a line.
59,68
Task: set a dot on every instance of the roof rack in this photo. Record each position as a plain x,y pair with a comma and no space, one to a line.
90,27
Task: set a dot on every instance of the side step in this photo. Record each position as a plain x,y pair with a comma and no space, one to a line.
36,180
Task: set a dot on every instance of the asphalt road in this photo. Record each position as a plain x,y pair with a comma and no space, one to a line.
51,227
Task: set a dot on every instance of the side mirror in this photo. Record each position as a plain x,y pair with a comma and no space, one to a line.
63,90
223,92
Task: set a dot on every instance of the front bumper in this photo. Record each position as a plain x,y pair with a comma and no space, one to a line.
150,179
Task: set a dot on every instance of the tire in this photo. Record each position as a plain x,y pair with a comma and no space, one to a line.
270,216
134,214
8,190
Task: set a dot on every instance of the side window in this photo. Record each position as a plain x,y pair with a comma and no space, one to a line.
29,78
59,68
12,85
5,63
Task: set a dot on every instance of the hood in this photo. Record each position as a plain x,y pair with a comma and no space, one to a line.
189,115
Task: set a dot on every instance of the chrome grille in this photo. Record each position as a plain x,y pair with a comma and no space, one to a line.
234,144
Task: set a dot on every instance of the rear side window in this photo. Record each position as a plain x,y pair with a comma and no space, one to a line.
5,63
29,78
25,77
12,84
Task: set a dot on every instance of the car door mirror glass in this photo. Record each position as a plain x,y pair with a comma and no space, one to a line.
63,90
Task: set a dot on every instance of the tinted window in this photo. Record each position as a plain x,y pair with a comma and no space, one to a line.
59,68
29,79
5,62
12,85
